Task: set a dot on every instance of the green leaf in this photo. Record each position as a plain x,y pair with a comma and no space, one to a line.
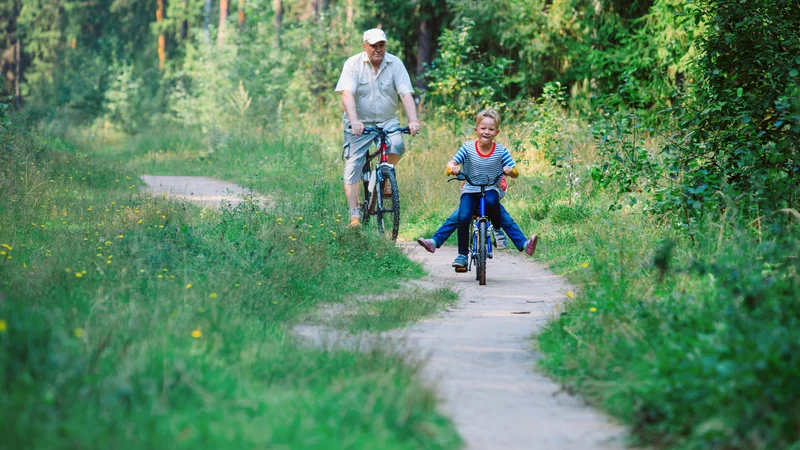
793,73
739,92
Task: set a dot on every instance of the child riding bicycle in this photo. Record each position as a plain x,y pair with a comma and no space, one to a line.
482,159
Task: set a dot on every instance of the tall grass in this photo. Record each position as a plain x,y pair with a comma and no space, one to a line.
138,322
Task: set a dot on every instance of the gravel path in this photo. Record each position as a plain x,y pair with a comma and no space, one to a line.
479,354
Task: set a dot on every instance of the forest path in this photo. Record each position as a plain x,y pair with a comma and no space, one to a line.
480,357
478,354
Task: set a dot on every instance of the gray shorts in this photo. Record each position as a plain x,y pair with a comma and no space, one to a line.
354,150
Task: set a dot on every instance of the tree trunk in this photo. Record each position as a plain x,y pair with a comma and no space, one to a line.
207,21
162,56
424,51
277,5
240,18
185,22
223,19
17,73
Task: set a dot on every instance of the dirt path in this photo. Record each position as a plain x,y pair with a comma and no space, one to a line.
479,354
201,190
481,360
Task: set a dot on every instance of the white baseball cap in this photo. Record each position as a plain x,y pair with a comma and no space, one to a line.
374,35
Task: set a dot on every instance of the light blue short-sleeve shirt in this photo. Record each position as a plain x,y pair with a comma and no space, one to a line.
375,93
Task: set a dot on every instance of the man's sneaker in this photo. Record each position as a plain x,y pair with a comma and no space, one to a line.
500,238
427,244
530,244
355,218
460,262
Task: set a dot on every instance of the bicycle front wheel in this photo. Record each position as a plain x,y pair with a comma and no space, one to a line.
388,211
368,203
483,238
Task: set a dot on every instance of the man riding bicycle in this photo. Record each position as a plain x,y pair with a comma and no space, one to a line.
369,84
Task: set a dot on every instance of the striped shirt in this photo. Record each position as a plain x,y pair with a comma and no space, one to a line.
482,168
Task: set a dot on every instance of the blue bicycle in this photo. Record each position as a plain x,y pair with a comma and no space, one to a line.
480,247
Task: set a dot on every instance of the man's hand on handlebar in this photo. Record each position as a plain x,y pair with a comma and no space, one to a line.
413,127
357,127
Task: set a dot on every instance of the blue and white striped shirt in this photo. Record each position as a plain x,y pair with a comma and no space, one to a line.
478,167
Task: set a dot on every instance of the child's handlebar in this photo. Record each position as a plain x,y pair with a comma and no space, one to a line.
463,177
514,174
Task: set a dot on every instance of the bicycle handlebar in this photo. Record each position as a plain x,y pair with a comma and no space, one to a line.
461,176
379,131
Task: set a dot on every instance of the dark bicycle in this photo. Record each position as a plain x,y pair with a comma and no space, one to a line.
480,247
385,207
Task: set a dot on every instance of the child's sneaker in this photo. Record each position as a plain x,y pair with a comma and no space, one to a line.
500,238
427,244
530,244
460,262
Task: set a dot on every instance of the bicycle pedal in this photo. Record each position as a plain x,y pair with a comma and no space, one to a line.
461,269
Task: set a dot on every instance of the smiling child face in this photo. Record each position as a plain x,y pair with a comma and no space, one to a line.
486,130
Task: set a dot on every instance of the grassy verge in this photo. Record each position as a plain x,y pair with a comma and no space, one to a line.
375,315
693,340
130,321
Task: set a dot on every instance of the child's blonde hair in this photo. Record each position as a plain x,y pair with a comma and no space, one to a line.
488,112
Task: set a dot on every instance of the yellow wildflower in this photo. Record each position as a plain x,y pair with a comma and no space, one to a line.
78,332
570,294
3,326
120,236
585,265
212,295
7,247
189,286
197,334
592,309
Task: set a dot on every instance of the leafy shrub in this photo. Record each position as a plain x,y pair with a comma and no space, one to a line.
745,114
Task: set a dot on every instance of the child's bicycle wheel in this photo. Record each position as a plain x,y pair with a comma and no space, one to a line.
480,263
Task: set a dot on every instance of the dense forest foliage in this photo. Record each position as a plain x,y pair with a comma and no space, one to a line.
718,77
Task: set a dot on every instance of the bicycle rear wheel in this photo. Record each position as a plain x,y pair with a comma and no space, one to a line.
481,263
388,211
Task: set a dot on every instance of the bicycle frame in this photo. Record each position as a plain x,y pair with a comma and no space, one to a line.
373,180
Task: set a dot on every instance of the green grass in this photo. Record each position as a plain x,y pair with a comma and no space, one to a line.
375,315
137,322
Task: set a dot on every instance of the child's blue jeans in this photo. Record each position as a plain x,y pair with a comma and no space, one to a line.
505,221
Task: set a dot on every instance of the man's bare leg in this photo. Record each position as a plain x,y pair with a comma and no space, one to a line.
351,192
